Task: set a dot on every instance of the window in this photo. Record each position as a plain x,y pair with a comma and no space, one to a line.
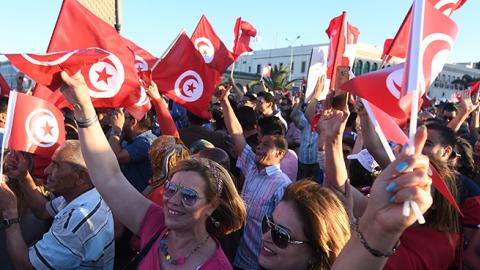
443,77
291,67
366,68
358,67
250,69
374,67
258,69
304,65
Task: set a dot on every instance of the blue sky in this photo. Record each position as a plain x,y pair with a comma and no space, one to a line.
26,25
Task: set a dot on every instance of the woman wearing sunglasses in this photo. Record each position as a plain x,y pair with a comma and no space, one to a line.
307,229
199,195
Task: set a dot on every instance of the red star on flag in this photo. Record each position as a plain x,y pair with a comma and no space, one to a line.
47,129
190,87
103,75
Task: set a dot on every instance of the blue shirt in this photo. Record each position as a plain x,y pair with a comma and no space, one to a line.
139,170
307,153
262,191
81,235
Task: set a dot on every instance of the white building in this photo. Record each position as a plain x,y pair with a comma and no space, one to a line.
368,59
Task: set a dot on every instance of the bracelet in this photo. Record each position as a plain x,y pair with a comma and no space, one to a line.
87,123
374,252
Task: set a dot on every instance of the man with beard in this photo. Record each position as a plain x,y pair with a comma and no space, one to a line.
264,181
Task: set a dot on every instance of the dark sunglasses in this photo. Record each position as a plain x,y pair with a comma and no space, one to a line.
189,196
280,235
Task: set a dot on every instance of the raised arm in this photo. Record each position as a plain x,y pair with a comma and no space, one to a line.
164,118
231,122
17,170
127,204
238,92
383,222
467,107
312,104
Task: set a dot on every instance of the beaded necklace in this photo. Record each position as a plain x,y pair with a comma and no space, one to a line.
163,247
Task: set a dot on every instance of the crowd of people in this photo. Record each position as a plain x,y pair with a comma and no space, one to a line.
272,181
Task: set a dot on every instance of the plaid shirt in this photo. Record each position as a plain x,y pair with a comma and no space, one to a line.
262,191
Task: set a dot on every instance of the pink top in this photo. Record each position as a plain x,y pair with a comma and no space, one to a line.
152,222
289,165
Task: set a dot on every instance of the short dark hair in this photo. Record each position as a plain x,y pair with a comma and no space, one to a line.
146,122
247,117
267,96
3,104
271,125
218,155
449,107
280,143
447,135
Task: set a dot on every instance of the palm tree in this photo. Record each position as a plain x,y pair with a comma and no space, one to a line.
465,80
278,80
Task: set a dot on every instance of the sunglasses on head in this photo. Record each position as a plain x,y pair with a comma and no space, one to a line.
189,196
280,235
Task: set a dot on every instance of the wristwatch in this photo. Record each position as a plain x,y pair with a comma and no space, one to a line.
5,223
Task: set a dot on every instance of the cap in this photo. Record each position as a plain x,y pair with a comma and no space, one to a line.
365,159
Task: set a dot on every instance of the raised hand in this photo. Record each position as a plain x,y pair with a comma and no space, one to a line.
75,89
223,92
319,87
466,103
405,179
16,165
118,119
152,91
333,121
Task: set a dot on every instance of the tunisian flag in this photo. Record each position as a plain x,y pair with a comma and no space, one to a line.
113,81
386,127
242,31
45,68
398,45
210,46
33,125
144,62
183,76
336,49
383,88
4,88
474,87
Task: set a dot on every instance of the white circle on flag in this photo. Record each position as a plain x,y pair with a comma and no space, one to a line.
106,77
42,128
205,47
140,63
394,82
189,86
143,100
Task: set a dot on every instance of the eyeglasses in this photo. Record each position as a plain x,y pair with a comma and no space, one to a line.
189,196
280,235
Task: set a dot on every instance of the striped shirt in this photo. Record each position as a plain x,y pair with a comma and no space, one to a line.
307,153
262,191
81,235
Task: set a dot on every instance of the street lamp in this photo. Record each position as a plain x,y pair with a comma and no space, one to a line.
291,56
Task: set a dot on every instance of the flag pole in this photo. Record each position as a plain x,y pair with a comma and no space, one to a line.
8,128
415,60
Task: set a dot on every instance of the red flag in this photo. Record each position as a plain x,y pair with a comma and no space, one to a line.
474,86
439,33
183,76
143,59
352,34
113,82
45,68
393,132
4,88
351,47
144,62
33,125
214,52
243,31
336,49
438,36
398,45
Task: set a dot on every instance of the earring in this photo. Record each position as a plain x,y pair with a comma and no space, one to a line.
215,222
